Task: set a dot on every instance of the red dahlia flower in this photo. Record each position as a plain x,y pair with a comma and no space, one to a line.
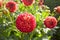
28,2
12,6
26,22
41,2
50,22
57,9
1,3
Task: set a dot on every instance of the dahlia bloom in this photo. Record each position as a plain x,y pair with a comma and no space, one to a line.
41,2
26,22
57,9
12,6
1,3
50,22
28,2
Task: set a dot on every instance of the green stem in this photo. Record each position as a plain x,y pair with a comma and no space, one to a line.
22,36
31,36
9,16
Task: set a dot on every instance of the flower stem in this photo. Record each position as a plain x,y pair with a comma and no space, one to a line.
31,36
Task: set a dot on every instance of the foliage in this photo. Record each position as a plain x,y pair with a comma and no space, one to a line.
52,4
8,30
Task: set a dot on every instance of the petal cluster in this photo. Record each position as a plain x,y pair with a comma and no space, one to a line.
27,2
12,6
50,22
57,9
26,22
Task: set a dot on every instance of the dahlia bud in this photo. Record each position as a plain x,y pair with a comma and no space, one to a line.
50,22
57,9
12,6
26,22
41,2
28,2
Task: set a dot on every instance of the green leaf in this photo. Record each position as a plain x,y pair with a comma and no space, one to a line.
38,16
45,13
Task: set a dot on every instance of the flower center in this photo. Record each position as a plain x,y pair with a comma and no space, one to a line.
51,23
11,5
